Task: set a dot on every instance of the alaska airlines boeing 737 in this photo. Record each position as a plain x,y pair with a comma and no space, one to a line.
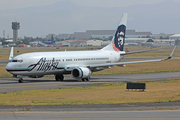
80,64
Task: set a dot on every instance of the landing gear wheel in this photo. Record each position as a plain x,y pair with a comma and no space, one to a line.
59,77
87,79
20,80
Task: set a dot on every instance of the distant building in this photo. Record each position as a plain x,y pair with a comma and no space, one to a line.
104,43
93,34
161,36
150,41
94,43
83,43
100,36
74,43
177,39
10,41
105,34
63,36
136,40
133,37
135,34
49,36
175,36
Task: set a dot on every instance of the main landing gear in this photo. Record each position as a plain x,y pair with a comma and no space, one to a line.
59,77
85,79
21,80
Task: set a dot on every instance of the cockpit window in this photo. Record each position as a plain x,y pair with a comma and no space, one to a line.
19,61
14,60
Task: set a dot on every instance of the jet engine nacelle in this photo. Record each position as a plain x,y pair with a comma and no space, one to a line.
81,72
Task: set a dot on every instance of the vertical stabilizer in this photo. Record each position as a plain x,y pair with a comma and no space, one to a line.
11,54
117,43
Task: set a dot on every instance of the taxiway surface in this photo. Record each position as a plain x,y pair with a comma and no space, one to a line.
136,111
93,115
11,84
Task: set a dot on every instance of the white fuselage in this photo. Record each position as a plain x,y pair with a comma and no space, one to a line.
44,63
80,64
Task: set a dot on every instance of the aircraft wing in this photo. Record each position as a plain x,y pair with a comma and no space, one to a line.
132,62
70,68
127,53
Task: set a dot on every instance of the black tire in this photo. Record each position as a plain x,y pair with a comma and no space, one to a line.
87,79
20,80
59,77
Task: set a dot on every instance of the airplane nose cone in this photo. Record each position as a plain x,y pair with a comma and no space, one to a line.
7,67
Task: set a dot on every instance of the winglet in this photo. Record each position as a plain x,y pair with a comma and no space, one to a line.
11,54
170,56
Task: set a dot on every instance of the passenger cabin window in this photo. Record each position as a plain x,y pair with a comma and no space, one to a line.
85,59
68,59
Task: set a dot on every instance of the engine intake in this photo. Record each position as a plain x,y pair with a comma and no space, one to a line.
81,72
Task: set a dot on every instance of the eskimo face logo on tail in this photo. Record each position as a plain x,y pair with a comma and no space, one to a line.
119,38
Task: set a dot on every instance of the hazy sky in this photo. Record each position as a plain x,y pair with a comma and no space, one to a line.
77,22
9,4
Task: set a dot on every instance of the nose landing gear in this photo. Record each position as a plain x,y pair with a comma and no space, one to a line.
20,78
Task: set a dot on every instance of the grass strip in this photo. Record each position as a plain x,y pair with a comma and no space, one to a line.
116,93
3,72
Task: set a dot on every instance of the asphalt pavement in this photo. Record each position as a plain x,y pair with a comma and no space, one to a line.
136,111
93,115
11,84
